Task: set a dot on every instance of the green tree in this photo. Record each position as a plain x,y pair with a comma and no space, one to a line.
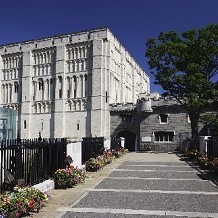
186,65
212,120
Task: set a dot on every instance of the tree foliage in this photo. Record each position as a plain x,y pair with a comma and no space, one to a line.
186,66
211,120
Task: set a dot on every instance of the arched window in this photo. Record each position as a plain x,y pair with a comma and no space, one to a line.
45,58
49,57
4,75
39,108
86,86
15,74
69,54
82,65
38,60
78,65
60,87
9,62
69,105
40,84
10,92
15,87
84,52
41,58
47,89
80,52
76,53
3,93
68,87
6,93
82,86
72,51
6,63
74,86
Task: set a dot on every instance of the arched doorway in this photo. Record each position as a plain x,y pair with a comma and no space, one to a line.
130,139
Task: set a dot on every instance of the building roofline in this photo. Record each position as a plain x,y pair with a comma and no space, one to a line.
105,28
54,36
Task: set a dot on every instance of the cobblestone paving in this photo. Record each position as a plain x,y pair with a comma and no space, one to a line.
149,185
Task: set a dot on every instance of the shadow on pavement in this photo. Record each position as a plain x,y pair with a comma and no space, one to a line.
203,174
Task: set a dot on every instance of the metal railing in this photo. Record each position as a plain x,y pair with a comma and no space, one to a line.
212,147
116,143
92,147
31,160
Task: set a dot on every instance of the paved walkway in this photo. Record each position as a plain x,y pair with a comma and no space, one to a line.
142,185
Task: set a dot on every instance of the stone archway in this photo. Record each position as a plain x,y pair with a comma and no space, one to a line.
130,139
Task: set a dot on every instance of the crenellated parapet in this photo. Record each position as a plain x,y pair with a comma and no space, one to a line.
123,107
146,103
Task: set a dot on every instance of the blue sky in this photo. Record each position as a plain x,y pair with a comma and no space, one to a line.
131,21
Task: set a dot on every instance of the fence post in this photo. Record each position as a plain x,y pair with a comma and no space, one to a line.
74,149
107,143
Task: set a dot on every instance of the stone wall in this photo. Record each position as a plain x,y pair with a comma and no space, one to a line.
177,122
119,123
152,133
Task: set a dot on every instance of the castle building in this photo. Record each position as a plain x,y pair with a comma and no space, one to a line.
153,123
62,86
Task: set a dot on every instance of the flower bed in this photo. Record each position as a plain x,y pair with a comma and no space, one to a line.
95,164
206,163
69,177
21,202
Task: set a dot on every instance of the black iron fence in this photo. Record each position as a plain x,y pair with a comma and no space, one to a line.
212,147
116,143
92,147
31,160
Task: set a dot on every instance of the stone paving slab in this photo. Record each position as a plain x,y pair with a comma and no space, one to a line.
153,157
155,174
150,201
157,168
173,185
176,163
110,215
114,213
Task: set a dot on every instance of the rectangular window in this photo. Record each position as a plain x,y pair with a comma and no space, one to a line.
162,136
24,124
60,93
163,118
77,126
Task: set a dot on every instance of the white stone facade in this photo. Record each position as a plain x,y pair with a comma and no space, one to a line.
62,86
